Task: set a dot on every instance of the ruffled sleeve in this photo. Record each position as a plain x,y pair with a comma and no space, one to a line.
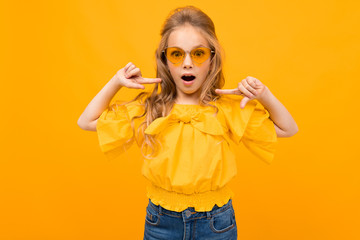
252,126
114,129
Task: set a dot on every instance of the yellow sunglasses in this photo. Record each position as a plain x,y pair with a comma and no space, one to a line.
177,55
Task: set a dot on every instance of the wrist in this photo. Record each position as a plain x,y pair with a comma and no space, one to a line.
115,83
265,96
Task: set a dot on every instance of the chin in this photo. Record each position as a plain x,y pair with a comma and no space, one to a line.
191,92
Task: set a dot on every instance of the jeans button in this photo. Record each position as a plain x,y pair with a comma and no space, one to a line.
187,213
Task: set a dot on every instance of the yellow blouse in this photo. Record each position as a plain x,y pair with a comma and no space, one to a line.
196,160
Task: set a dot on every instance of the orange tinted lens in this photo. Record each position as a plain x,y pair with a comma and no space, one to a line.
174,55
200,55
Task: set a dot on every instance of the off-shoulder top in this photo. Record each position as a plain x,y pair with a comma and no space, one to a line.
196,160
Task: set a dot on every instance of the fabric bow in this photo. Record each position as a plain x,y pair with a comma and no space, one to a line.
205,123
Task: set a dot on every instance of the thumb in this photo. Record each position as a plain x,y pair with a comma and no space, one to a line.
244,102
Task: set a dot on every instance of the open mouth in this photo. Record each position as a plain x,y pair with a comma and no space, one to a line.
188,78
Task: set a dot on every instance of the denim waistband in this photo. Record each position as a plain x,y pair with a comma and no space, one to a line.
215,210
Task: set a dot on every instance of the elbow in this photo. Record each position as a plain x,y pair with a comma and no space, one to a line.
81,124
286,133
293,131
88,126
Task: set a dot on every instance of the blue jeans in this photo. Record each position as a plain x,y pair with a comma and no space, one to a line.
163,224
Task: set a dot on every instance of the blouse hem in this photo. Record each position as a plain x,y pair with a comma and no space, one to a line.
178,202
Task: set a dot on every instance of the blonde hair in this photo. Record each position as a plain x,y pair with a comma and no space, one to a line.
160,102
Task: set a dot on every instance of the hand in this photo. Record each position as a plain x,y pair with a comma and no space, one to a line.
130,77
251,88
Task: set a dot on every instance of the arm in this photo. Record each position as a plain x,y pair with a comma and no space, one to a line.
285,125
98,104
252,88
130,77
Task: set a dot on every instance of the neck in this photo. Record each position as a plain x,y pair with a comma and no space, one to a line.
183,98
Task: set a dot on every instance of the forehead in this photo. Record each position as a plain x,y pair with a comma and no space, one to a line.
187,37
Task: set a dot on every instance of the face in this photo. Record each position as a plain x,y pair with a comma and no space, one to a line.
188,90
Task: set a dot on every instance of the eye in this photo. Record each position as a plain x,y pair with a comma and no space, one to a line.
199,53
176,54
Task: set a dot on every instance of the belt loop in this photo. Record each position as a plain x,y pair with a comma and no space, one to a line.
208,215
160,209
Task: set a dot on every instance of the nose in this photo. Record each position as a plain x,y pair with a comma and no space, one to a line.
187,61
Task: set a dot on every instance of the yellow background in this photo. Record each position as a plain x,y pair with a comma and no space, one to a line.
56,55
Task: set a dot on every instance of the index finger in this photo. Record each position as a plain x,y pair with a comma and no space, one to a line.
149,80
228,91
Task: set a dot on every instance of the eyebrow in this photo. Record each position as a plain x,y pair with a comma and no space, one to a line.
200,45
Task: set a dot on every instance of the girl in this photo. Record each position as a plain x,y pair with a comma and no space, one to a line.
187,128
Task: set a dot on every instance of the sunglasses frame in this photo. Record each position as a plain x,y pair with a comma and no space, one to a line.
212,52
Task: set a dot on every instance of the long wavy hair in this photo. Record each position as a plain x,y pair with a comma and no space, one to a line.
160,101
